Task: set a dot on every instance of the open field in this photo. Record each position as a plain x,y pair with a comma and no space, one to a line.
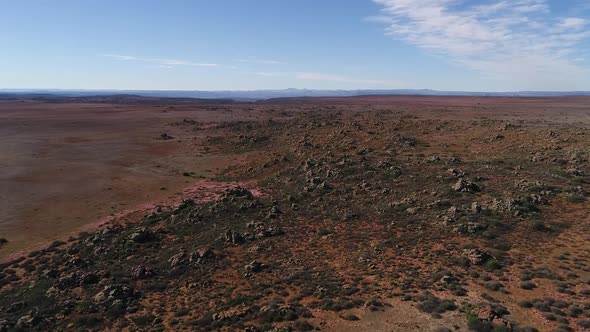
65,166
339,214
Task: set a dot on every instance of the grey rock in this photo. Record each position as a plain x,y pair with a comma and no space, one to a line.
142,235
477,256
253,267
142,272
29,320
463,185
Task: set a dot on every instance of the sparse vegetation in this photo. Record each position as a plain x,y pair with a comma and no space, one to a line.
576,198
493,285
339,210
528,285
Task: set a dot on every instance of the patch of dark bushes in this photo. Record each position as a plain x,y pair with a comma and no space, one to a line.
303,325
528,285
431,304
350,317
493,285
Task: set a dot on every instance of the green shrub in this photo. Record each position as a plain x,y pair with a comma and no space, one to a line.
493,285
576,199
350,317
303,325
493,265
525,304
474,324
538,226
143,320
433,305
89,322
181,312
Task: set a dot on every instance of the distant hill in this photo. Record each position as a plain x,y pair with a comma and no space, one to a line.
111,99
254,95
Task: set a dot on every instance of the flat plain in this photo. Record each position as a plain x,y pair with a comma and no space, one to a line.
339,214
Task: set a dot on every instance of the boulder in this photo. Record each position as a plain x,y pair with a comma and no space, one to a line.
142,235
111,293
233,237
463,185
456,172
254,267
29,320
5,325
477,256
142,272
177,260
165,137
476,207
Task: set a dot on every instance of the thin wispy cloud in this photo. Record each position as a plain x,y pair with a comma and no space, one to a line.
272,74
573,23
262,61
517,40
161,62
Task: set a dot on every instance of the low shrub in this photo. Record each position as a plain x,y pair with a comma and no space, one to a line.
303,325
576,199
350,317
525,304
493,285
433,305
528,285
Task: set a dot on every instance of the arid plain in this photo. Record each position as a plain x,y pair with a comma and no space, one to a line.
340,214
67,165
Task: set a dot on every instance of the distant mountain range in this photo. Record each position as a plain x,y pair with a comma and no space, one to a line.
253,95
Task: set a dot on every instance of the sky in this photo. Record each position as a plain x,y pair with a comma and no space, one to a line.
454,45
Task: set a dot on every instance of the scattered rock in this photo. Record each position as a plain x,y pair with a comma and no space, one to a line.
404,141
456,172
494,314
433,159
233,237
165,137
230,314
16,306
67,281
200,255
5,325
231,194
253,267
463,185
142,235
77,262
187,203
448,279
574,171
494,138
178,260
29,320
141,272
476,207
111,293
477,256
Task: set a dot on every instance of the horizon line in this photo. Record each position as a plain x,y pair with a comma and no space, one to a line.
286,89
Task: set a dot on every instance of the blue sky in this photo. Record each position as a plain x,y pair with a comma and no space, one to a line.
484,45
